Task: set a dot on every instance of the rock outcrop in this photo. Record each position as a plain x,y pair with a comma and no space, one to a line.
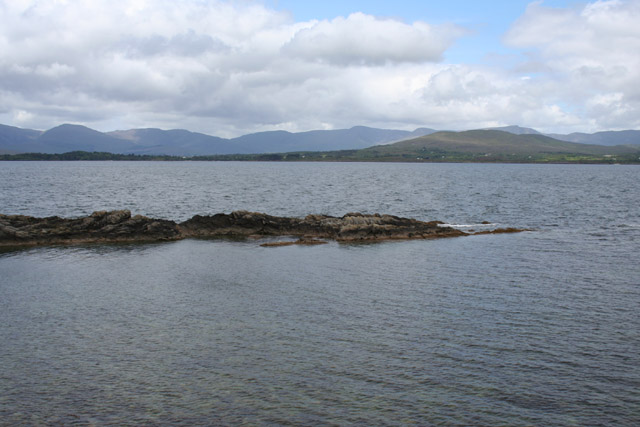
103,226
120,226
348,228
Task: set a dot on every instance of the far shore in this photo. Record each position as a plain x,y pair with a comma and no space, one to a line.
339,156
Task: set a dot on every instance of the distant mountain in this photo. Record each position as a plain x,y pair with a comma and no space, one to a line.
623,137
179,142
495,142
470,146
65,138
12,139
323,140
176,142
516,130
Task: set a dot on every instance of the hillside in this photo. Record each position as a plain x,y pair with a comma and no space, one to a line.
180,142
494,141
479,146
13,139
322,140
623,137
517,130
508,140
176,142
493,145
67,137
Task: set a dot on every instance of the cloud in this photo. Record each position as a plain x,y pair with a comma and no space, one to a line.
587,56
367,40
220,67
233,67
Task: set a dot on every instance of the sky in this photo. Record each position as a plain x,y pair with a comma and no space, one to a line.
232,67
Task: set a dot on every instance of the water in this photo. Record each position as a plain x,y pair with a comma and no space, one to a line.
537,328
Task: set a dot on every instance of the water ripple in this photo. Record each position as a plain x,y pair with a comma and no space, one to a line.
528,329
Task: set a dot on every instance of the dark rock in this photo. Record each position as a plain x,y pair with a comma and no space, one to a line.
238,224
114,226
120,226
350,227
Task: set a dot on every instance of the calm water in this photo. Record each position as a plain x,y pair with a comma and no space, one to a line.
537,328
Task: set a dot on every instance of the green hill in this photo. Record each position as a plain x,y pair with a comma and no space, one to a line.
495,145
494,141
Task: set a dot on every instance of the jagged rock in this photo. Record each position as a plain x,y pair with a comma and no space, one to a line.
114,226
120,226
350,227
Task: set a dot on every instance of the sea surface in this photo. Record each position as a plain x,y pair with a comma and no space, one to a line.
535,328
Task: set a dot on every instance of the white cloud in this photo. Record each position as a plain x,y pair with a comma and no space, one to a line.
365,40
585,55
228,68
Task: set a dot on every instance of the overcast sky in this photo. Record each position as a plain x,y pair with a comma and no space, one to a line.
228,68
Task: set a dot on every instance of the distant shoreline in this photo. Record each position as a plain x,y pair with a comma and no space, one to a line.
337,156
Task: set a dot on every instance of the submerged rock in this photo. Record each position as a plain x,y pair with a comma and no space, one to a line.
120,226
304,241
501,231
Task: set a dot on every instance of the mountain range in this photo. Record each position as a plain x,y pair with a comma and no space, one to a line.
623,137
180,142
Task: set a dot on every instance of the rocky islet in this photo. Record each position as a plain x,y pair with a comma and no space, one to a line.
121,226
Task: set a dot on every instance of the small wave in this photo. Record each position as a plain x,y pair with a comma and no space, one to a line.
467,225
